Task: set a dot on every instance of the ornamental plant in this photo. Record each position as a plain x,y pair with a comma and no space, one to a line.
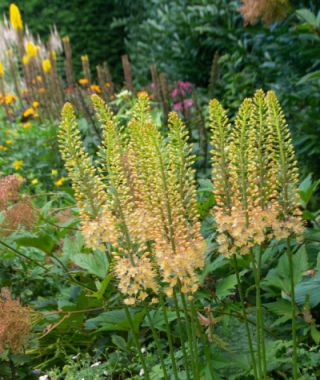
255,179
138,204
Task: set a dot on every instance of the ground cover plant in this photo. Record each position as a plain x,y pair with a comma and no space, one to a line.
150,228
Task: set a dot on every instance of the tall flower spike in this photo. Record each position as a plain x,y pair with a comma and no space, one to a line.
220,136
133,266
88,187
178,247
182,160
287,173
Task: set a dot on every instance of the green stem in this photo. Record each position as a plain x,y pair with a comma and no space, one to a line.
263,347
168,330
245,318
206,348
293,310
190,331
157,342
185,357
194,324
258,320
137,343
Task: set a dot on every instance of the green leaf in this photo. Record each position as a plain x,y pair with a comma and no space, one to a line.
43,242
115,320
102,286
307,188
118,341
158,320
310,77
308,289
72,246
279,276
307,16
96,263
226,285
315,333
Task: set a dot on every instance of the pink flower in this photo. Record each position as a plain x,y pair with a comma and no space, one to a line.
177,106
175,93
187,103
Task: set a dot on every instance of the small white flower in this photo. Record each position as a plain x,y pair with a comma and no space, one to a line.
105,373
141,373
95,364
143,350
44,377
75,357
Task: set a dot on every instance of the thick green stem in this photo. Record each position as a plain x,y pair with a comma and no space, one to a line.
258,319
293,310
185,356
137,344
263,347
168,330
158,345
193,347
245,318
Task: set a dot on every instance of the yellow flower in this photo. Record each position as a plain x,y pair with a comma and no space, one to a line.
35,104
9,142
107,84
35,181
1,70
28,112
39,78
95,88
60,182
46,65
54,172
143,93
83,81
84,58
15,17
27,125
25,59
8,99
2,147
17,164
31,49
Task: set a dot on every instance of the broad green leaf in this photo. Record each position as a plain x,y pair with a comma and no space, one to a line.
308,289
315,333
95,263
43,242
115,320
226,285
308,16
118,341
